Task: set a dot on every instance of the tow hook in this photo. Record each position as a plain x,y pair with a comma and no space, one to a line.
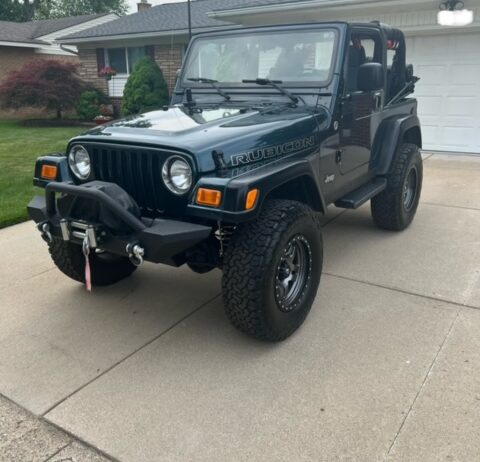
44,229
135,253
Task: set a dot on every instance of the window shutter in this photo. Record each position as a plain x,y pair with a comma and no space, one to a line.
150,51
100,58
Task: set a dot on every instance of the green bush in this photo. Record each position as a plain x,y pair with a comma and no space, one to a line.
146,88
88,106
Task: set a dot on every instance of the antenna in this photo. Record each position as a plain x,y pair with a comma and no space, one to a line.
189,6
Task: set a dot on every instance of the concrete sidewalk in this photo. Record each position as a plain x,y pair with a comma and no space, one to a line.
386,367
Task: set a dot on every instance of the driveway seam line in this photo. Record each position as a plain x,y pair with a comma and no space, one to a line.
402,291
422,386
50,457
113,366
73,438
80,440
451,206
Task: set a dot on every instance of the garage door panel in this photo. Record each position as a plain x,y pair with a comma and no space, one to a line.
462,106
449,90
430,50
430,136
431,73
465,74
431,105
458,137
464,46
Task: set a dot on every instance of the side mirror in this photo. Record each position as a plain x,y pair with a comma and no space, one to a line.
371,77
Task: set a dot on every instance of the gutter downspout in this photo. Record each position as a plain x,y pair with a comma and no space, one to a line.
67,50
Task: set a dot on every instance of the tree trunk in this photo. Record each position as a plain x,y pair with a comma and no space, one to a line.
29,9
59,113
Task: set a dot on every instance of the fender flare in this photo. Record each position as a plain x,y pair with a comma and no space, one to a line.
391,133
267,179
272,178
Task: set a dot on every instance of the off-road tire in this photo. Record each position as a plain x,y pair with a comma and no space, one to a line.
250,269
105,269
389,210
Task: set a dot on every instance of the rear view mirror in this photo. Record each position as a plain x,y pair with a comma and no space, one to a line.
371,77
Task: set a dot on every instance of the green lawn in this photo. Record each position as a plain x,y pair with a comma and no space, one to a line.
19,148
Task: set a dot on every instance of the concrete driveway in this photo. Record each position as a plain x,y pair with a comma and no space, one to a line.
386,367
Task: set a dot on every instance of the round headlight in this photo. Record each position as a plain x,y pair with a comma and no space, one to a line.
177,175
79,162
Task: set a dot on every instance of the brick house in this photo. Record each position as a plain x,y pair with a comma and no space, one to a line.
160,32
446,58
22,42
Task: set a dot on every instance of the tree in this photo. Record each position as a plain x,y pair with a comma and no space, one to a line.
27,10
44,83
11,11
146,88
20,10
65,8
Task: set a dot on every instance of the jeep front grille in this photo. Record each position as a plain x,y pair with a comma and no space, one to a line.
137,170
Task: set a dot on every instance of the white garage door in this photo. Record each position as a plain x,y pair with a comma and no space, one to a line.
449,90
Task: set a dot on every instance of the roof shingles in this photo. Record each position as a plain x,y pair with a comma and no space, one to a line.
28,32
167,17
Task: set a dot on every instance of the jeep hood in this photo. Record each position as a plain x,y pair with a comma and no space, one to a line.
199,131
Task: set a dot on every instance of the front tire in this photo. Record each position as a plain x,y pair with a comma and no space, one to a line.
106,269
395,207
271,270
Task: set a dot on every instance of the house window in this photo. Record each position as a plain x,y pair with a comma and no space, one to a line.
123,60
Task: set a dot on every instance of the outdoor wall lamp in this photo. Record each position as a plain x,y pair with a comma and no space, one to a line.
454,13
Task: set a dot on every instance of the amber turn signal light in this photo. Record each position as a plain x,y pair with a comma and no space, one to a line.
49,172
210,197
252,197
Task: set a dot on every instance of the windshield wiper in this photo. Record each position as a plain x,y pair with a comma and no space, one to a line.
275,84
213,83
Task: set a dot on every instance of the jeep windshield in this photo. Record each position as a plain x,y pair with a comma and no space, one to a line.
296,58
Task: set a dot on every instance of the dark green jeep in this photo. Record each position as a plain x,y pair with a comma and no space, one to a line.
266,128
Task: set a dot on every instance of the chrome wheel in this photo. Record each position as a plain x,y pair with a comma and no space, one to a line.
293,273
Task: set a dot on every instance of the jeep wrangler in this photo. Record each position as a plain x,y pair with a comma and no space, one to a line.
266,128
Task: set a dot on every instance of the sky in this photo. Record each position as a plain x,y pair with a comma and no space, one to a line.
133,3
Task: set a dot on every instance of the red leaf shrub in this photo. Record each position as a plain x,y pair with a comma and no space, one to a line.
46,83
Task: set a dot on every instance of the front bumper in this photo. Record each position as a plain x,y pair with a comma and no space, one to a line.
163,240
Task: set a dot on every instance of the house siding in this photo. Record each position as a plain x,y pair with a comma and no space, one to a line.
89,70
14,58
169,58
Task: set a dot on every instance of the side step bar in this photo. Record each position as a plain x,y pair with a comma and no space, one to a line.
357,198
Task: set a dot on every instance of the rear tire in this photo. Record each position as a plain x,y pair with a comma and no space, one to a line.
396,206
106,269
271,270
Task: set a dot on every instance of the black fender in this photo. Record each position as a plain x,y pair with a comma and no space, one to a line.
392,132
278,180
57,159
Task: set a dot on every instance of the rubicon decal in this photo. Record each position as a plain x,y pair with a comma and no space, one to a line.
272,151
